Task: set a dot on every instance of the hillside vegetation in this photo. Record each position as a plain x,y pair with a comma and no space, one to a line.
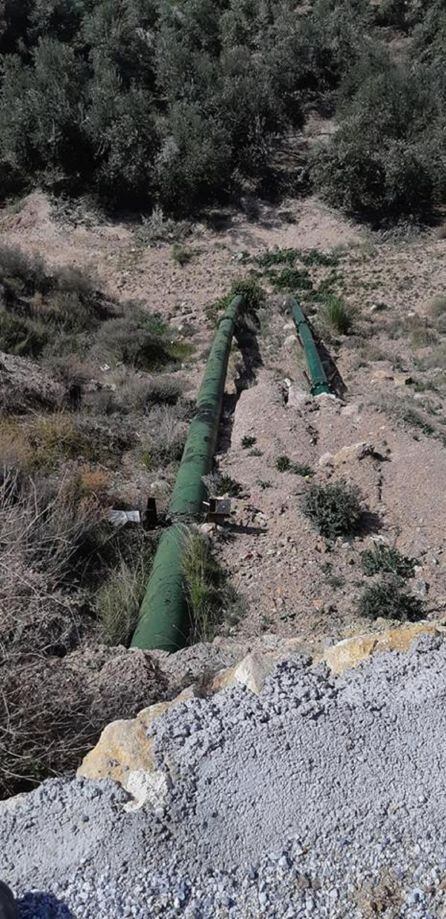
161,152
145,102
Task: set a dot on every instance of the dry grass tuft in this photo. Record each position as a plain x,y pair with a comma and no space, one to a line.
214,605
46,536
119,599
52,710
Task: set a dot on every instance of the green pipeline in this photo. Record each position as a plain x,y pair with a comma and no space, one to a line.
318,377
163,620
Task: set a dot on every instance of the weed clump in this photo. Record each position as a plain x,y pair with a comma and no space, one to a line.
181,255
228,486
336,315
285,464
384,559
334,509
213,603
118,600
141,341
277,257
253,298
387,599
291,279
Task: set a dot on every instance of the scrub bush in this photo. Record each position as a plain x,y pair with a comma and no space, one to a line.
387,560
387,599
334,509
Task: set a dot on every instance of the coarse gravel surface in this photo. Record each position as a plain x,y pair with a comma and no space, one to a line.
322,797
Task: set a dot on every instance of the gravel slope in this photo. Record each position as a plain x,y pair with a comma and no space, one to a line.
322,797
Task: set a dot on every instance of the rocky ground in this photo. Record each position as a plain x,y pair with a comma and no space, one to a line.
390,380
321,796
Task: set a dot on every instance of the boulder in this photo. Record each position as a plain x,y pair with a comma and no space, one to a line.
250,672
382,375
124,753
298,398
351,651
326,460
353,453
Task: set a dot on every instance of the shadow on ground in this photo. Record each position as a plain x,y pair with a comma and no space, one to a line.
40,905
246,338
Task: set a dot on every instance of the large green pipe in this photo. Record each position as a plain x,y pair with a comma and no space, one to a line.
318,377
163,621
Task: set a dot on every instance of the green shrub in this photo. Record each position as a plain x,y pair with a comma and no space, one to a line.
41,307
284,464
387,599
162,390
393,13
181,255
146,105
315,258
248,288
437,307
335,509
248,441
291,279
21,273
21,336
277,257
252,293
371,179
387,168
140,340
167,436
387,560
228,486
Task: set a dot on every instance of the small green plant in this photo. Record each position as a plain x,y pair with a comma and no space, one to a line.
291,279
277,257
336,314
248,441
335,509
255,452
228,486
263,484
181,255
284,464
410,416
21,336
316,258
335,581
253,298
387,599
384,559
327,288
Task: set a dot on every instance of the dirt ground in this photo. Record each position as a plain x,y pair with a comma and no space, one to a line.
391,378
